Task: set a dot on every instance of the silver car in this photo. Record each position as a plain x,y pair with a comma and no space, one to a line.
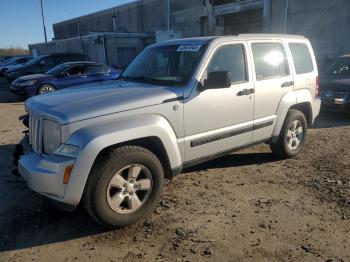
111,145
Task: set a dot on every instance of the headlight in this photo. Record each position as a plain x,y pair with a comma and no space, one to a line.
68,150
51,136
27,83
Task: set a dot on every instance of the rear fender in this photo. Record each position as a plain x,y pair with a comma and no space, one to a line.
289,100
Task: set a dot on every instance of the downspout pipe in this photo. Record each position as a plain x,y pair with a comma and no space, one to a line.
286,10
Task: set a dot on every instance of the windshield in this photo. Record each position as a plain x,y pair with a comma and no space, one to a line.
165,65
10,60
339,67
57,70
34,60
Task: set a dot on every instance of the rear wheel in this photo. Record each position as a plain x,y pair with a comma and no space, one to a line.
292,135
46,88
125,187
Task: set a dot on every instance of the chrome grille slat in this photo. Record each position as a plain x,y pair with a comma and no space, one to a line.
35,134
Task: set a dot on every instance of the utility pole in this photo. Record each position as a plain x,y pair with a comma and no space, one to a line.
42,16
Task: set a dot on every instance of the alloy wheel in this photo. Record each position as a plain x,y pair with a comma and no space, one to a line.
295,135
46,89
129,189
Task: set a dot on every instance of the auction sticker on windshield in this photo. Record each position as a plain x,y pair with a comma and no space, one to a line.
189,48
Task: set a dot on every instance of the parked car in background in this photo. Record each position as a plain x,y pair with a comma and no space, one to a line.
15,63
3,59
63,76
334,89
42,64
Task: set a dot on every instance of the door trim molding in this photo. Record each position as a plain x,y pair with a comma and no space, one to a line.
223,135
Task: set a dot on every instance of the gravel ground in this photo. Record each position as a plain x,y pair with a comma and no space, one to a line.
248,206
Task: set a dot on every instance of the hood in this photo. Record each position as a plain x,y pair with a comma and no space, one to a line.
98,99
334,83
32,77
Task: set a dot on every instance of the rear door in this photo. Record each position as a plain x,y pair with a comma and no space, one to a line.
272,80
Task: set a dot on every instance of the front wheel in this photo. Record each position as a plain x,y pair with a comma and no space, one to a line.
125,187
46,88
292,135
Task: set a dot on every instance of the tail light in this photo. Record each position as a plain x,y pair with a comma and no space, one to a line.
316,87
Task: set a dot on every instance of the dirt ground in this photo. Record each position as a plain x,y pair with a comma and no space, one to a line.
248,206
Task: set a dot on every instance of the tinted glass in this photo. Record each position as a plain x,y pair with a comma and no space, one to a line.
302,58
36,60
270,60
167,64
232,59
95,69
76,70
57,70
47,61
340,67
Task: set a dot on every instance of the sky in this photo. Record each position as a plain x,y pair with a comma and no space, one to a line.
21,24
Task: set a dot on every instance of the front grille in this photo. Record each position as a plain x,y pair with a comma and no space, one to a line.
35,133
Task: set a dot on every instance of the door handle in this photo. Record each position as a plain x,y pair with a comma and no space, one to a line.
246,92
287,84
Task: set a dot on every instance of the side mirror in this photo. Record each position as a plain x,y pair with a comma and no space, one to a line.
218,79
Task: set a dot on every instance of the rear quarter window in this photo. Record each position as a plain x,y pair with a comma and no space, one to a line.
302,58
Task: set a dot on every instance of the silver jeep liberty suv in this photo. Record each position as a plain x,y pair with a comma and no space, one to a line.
110,145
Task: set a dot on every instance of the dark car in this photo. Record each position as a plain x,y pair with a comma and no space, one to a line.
42,64
14,63
63,76
3,59
334,86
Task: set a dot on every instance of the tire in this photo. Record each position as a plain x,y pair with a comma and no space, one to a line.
292,136
46,88
112,201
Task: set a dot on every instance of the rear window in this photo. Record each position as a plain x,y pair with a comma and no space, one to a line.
270,60
302,58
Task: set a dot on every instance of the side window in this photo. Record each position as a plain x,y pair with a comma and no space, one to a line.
302,58
230,58
62,59
270,60
75,70
340,67
94,69
48,61
22,60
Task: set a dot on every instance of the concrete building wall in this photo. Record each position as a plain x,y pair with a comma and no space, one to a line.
141,16
325,23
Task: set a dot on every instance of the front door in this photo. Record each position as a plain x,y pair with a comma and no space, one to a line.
217,120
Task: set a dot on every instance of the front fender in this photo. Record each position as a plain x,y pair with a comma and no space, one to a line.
94,138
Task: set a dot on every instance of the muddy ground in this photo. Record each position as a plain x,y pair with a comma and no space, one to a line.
248,206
